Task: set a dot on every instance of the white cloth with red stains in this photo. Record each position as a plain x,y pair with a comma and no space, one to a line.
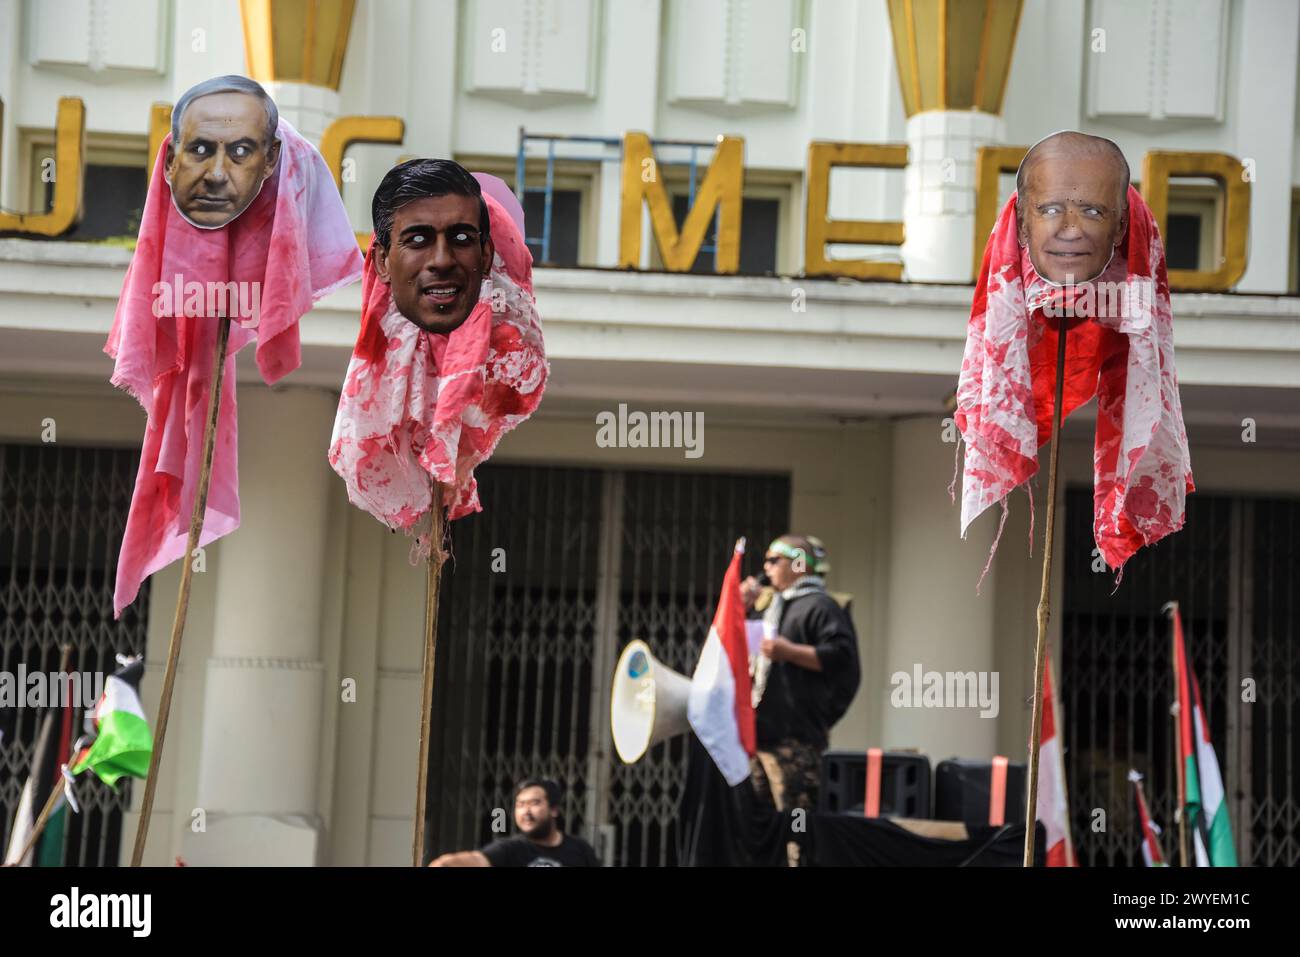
1123,353
419,406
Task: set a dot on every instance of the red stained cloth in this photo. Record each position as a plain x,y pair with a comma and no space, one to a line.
418,406
1122,351
295,243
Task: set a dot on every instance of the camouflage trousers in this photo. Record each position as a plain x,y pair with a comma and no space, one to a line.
788,776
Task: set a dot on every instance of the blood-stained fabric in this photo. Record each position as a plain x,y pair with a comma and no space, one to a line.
290,247
419,406
1119,347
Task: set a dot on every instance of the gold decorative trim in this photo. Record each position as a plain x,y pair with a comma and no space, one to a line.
281,40
160,124
990,163
953,54
820,230
1011,49
69,178
943,54
912,53
1157,168
346,130
721,189
986,36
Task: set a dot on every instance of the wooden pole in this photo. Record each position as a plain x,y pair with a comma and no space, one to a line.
183,600
436,532
64,660
1040,650
1179,765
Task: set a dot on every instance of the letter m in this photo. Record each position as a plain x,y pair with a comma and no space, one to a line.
720,190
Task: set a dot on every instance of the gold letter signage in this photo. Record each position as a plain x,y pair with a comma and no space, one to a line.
721,189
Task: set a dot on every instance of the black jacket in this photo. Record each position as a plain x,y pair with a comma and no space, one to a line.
803,704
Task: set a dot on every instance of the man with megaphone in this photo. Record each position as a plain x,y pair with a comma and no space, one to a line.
806,674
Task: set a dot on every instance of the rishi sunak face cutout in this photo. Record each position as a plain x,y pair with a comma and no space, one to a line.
436,260
1072,213
224,156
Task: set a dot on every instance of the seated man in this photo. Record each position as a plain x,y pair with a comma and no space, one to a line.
540,842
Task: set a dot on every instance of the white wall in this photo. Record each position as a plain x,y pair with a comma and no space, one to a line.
417,60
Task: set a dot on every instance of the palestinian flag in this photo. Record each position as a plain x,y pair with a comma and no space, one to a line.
1204,808
122,742
53,745
1151,853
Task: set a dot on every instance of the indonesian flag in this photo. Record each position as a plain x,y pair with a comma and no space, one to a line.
1053,809
1123,353
1204,809
1151,853
719,708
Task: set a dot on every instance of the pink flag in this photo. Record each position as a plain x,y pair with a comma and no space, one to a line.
289,248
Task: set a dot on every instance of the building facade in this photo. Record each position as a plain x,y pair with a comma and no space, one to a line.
825,392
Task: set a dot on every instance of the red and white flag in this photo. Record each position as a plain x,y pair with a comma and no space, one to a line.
1053,809
719,708
1152,856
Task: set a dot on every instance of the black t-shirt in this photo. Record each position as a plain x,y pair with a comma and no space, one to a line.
518,851
803,704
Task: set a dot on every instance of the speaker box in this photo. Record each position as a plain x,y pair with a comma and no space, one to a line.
962,786
904,784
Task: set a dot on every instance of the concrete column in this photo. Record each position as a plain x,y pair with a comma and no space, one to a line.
935,619
308,108
939,191
260,750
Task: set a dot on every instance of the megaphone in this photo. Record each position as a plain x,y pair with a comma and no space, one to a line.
647,704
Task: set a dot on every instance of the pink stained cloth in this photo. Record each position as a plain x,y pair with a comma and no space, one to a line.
418,406
295,242
1123,355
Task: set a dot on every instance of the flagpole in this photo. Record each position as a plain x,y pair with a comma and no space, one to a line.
65,659
1180,764
1040,650
1146,809
437,528
183,599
